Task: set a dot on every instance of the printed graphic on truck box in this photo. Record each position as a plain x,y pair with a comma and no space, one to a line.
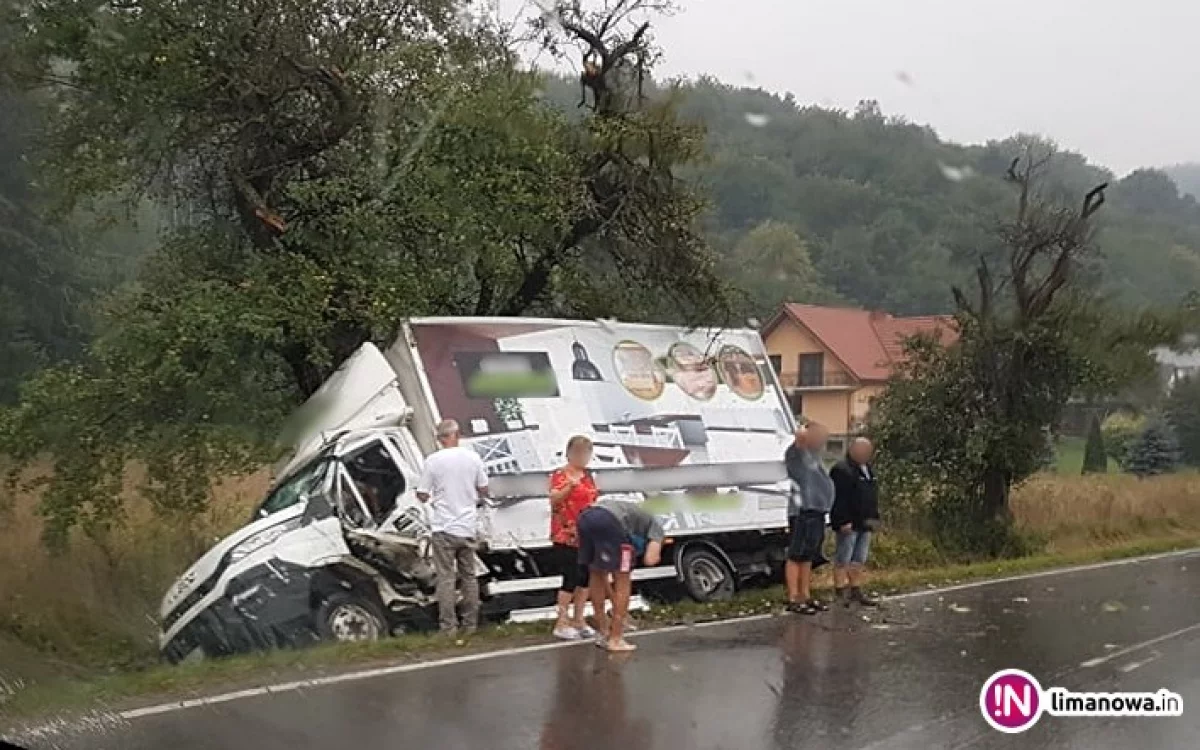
653,397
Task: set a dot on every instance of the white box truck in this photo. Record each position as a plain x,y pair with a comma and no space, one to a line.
691,422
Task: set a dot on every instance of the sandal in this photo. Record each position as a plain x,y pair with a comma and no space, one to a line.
803,608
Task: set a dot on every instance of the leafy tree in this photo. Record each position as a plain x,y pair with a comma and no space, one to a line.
774,260
1155,451
1095,458
967,422
1183,414
1120,429
333,177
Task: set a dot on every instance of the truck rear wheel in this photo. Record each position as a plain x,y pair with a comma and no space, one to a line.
345,616
707,577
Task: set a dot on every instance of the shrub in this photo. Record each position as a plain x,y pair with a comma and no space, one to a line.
1119,430
1183,413
1095,459
1155,451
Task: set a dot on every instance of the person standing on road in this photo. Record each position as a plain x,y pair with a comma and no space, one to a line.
454,482
572,490
811,498
854,516
611,534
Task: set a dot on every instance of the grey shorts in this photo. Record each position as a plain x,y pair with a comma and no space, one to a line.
852,547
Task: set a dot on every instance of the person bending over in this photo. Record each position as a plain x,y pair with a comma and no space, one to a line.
612,533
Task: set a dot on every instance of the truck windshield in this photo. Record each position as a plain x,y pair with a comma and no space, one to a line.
294,490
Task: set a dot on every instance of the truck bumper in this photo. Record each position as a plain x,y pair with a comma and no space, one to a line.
267,606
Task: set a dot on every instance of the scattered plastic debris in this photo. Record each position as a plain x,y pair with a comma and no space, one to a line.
1021,599
1050,589
962,653
1007,611
1110,646
1111,606
928,609
960,609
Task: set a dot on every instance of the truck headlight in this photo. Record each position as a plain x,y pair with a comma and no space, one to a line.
263,538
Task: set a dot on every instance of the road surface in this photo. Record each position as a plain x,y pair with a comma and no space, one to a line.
909,678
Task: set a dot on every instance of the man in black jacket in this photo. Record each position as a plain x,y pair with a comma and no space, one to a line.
854,516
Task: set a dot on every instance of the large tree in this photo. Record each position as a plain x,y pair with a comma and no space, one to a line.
334,167
968,422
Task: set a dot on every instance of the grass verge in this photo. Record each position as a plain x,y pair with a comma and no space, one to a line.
120,691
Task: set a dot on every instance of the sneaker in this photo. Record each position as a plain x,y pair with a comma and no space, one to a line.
621,646
567,633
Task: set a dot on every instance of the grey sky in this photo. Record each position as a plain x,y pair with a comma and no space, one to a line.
1110,78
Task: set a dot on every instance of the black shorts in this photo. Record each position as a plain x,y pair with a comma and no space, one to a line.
603,543
574,575
807,535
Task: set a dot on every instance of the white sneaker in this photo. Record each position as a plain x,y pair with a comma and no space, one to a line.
567,633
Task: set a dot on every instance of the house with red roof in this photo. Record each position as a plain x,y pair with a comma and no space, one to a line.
834,361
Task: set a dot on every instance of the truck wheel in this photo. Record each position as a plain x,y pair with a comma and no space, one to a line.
345,616
706,576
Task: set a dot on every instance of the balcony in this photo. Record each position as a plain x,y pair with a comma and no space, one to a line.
830,380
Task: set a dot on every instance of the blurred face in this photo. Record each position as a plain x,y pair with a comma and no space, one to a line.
862,451
579,455
816,436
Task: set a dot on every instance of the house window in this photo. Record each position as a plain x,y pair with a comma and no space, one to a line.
812,369
776,363
797,403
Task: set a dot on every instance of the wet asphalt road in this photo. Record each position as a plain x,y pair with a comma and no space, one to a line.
910,678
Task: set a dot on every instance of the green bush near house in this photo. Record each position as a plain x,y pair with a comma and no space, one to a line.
1095,459
1119,430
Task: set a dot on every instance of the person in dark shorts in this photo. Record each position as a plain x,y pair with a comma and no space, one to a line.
572,490
854,516
811,499
612,533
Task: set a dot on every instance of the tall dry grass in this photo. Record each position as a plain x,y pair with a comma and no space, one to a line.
1077,511
93,607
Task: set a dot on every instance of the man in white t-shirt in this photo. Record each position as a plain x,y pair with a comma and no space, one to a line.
453,483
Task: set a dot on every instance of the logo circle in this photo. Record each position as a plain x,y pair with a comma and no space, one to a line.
1011,701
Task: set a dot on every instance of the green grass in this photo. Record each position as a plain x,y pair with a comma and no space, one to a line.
158,683
1069,457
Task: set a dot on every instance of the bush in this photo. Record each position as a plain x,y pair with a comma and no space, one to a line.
1156,450
1183,413
1119,430
1095,459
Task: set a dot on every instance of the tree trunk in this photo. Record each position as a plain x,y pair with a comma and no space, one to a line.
995,494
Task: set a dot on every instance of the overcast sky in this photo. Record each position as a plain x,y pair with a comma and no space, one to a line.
1111,78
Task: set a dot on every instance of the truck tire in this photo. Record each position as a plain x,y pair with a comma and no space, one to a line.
706,575
345,616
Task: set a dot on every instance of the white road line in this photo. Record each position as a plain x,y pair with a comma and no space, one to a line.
1045,573
1138,646
1127,668
367,674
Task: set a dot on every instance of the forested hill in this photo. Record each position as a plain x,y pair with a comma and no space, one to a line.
876,211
